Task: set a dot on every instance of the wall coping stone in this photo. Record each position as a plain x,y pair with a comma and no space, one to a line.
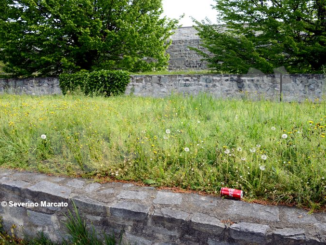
150,216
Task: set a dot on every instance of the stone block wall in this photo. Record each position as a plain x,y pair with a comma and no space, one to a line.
147,216
31,86
295,87
181,57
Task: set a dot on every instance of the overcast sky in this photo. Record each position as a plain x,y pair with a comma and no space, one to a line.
199,9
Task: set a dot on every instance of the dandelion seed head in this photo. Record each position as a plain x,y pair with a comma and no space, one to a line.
186,149
284,136
273,128
43,136
264,157
168,131
227,151
239,149
253,150
262,168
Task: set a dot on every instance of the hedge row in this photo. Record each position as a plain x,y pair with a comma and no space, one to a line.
97,82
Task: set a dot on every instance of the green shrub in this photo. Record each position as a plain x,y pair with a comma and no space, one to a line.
97,82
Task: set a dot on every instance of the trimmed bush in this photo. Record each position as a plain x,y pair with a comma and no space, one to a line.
97,82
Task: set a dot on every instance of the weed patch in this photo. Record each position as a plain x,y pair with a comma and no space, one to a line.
272,151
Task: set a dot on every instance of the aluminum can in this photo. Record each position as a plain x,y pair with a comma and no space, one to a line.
234,193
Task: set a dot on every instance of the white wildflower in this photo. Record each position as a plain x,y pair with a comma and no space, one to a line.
227,151
273,128
43,136
168,131
186,149
253,150
284,136
262,168
264,157
239,149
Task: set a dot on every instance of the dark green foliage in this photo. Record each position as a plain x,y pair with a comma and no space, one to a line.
97,82
47,38
265,35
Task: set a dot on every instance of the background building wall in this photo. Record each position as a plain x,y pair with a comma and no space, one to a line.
181,57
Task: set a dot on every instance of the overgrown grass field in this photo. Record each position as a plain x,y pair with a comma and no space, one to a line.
272,151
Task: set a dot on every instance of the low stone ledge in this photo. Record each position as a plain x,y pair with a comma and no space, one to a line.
249,232
207,224
129,210
150,216
50,188
295,234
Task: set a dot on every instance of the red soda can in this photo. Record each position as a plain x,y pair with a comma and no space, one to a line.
236,194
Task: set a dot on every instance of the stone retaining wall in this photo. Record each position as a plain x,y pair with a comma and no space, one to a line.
146,216
295,87
31,86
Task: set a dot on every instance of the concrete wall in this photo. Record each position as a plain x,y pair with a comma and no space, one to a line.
181,57
146,216
295,87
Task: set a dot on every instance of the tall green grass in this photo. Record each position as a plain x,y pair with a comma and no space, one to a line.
273,151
